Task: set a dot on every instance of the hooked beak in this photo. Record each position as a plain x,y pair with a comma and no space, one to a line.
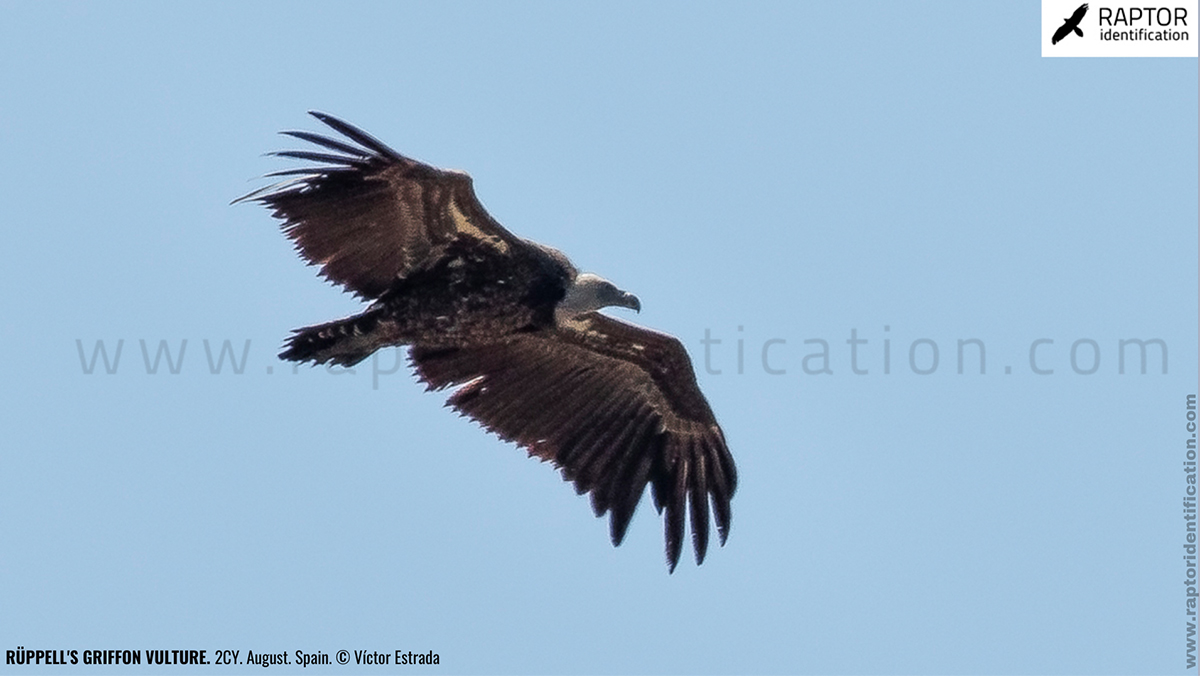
630,301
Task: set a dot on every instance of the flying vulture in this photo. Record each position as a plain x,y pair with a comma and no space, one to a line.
1071,24
511,324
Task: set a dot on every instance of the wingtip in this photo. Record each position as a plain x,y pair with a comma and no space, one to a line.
674,553
250,196
615,537
357,135
326,118
618,526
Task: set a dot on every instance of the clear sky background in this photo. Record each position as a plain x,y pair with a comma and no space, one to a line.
772,172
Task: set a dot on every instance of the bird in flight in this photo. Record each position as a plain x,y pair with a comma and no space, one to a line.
1070,25
510,324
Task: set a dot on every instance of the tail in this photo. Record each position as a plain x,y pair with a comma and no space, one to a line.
345,342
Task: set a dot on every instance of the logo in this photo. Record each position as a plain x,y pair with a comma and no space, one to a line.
1070,25
1120,28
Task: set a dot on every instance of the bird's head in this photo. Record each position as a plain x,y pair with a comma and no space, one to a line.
591,292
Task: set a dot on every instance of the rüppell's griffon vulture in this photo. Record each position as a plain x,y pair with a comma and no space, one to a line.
511,324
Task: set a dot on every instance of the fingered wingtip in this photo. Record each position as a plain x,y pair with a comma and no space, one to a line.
248,197
355,134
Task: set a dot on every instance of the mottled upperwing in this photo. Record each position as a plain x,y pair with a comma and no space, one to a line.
615,406
370,216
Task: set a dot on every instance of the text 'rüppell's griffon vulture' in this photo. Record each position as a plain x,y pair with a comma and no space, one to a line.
508,322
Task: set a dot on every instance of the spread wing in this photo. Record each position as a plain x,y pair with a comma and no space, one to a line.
1078,15
368,215
1071,24
613,405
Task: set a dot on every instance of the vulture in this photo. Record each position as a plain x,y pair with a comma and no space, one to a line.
510,325
1070,25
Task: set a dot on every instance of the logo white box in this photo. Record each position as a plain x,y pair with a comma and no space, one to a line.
1128,28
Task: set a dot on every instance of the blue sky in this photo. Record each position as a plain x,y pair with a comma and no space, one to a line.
791,172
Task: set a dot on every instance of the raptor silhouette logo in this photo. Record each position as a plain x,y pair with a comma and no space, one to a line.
1070,25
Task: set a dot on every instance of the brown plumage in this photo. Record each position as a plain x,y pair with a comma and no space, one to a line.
510,323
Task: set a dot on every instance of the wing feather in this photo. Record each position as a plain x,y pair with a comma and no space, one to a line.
676,510
359,136
698,499
630,487
593,444
335,160
614,406
368,216
628,479
326,142
604,468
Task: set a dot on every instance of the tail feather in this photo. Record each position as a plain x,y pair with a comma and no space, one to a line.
344,342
